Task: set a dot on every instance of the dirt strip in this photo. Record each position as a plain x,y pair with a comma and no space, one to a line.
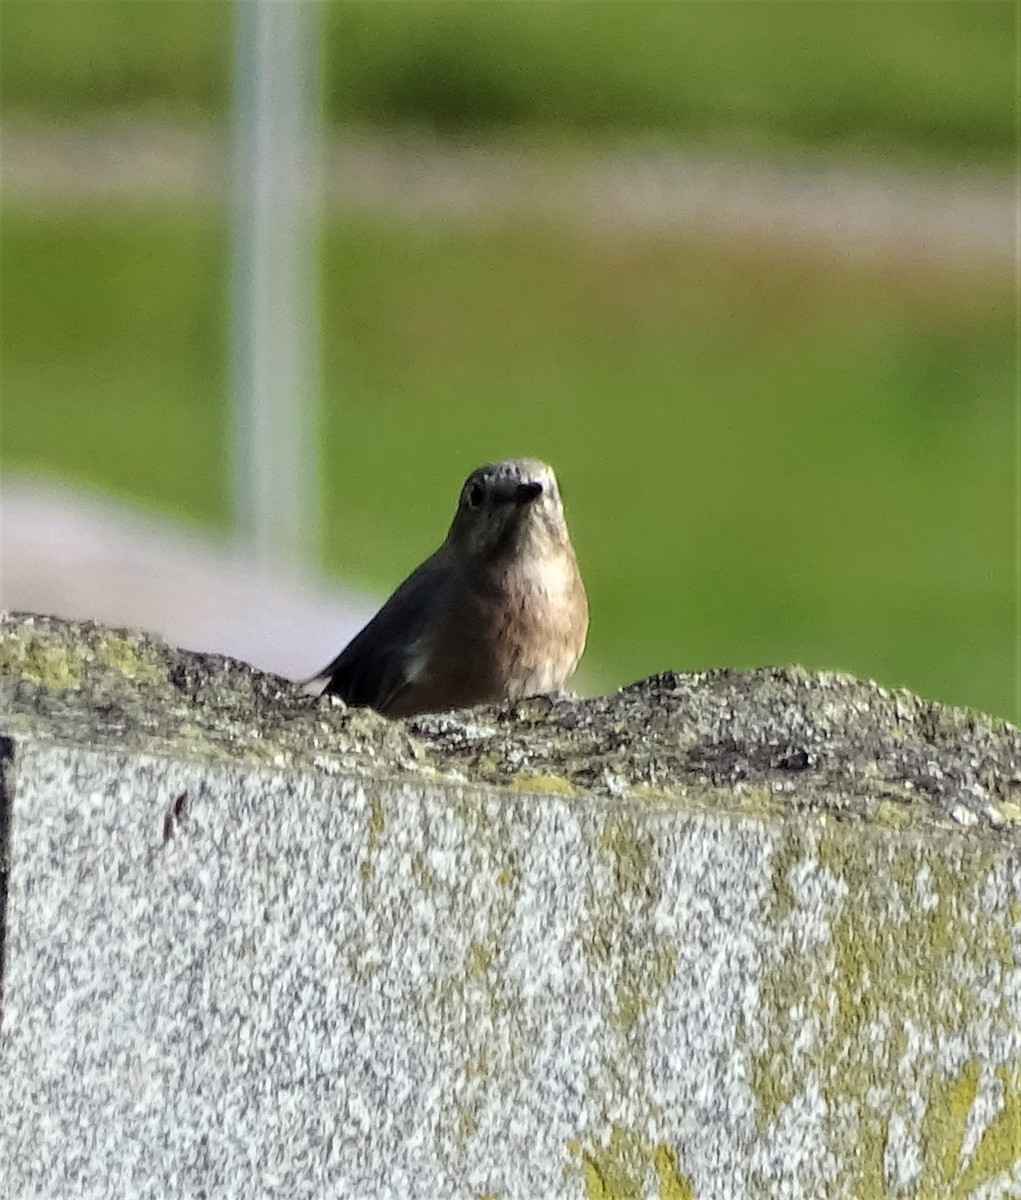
952,216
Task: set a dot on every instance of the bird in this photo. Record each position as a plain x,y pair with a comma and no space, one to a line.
497,613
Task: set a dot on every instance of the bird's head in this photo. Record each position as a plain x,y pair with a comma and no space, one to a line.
509,508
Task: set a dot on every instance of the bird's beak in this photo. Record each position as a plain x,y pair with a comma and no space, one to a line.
507,491
525,493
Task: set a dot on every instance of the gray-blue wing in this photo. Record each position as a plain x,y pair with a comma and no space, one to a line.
374,667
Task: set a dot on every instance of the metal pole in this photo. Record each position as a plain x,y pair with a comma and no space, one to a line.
274,292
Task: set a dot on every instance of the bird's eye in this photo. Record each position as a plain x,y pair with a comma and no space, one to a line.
475,495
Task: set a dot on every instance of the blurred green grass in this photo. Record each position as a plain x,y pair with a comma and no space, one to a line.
923,78
766,456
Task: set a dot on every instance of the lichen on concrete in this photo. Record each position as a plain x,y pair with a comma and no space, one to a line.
864,1007
626,1164
727,934
636,969
757,742
88,684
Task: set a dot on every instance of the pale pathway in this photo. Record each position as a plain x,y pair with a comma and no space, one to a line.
939,215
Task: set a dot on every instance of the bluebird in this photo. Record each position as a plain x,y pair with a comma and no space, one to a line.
496,613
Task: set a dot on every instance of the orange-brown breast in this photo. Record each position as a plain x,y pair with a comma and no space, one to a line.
517,633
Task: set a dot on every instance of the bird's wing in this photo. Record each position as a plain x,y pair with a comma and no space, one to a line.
382,660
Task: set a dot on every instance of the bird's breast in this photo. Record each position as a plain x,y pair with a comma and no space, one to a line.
548,578
506,635
545,620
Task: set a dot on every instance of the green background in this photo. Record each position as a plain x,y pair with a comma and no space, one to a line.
768,453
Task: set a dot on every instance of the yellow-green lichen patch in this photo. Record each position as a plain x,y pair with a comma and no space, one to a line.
374,831
788,854
893,815
647,977
629,849
120,653
773,1081
944,1126
752,800
1002,942
55,666
900,937
634,966
616,1171
895,942
637,965
546,785
59,665
195,740
673,1183
999,1148
645,793
481,954
622,1167
253,749
947,1172
467,1126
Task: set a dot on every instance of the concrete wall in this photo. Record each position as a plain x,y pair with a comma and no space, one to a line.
727,935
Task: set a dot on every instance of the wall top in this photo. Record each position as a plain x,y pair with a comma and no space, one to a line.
767,742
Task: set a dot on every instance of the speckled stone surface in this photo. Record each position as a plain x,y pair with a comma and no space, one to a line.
720,936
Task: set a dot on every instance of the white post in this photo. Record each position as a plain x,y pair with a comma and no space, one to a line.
274,291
